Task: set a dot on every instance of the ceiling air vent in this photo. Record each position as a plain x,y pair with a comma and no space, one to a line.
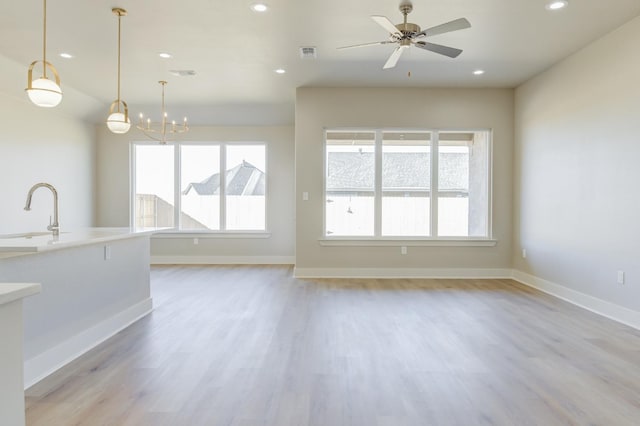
182,73
308,52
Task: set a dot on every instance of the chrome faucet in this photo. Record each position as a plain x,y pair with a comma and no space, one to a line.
55,226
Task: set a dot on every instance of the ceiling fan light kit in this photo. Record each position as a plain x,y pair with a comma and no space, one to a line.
407,34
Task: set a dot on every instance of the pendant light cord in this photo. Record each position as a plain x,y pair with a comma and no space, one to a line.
163,111
164,115
44,41
119,25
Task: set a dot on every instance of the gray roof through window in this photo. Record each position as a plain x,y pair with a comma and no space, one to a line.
243,179
355,171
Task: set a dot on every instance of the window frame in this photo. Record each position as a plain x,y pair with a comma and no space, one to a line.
176,232
432,240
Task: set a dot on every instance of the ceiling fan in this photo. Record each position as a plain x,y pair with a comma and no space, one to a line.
407,34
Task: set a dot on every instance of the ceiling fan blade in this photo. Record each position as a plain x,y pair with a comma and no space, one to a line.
366,44
393,59
458,24
451,52
385,23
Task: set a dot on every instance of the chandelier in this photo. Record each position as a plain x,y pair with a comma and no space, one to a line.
159,131
44,92
118,122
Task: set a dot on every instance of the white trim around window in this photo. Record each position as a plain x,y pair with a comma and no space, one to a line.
434,192
407,242
176,232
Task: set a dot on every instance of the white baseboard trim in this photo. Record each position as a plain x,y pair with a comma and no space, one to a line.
601,307
223,260
401,273
42,365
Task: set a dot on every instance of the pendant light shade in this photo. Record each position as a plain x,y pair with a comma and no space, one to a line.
118,120
118,123
43,91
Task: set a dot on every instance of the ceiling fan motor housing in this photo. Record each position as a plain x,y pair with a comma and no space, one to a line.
408,29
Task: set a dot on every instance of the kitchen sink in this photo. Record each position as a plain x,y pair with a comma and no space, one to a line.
28,235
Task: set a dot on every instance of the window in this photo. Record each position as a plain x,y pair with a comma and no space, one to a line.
200,187
378,184
406,171
350,184
181,186
154,187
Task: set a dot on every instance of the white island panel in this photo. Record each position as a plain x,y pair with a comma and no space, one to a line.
11,364
90,291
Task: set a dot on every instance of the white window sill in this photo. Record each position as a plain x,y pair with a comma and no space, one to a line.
214,235
410,242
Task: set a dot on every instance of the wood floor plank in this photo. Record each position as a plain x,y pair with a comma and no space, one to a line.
251,345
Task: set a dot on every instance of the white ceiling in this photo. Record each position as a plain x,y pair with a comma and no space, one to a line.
235,50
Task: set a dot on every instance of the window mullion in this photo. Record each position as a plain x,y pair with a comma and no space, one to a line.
377,216
433,223
177,182
223,187
133,170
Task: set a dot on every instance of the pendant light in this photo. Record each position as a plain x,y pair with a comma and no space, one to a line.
44,92
118,121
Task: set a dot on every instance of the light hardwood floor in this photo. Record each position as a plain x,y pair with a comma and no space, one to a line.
242,346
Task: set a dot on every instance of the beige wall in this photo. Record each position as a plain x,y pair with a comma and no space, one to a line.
317,108
113,190
578,144
44,145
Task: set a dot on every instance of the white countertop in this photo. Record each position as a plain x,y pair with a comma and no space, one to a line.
14,291
34,242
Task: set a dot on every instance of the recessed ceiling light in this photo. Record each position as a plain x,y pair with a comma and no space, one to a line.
165,55
557,4
259,7
280,71
478,72
66,55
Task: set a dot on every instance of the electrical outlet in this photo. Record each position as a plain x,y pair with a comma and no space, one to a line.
403,250
524,253
620,277
305,196
196,241
107,252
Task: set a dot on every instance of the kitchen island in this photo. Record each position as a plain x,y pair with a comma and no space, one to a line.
11,360
95,282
